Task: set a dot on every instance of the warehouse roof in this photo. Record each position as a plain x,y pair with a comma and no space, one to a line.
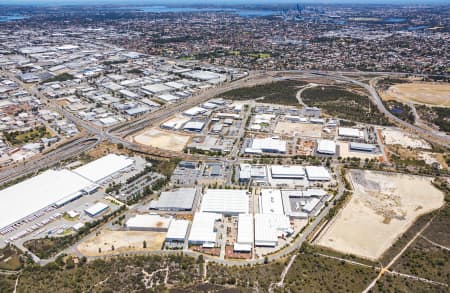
269,145
202,229
96,209
149,221
270,202
178,199
36,193
317,173
292,171
177,230
245,229
226,201
350,132
104,167
194,125
325,146
268,227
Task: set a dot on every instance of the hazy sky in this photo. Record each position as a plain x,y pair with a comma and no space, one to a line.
216,2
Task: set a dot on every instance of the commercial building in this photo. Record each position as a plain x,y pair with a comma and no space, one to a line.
149,222
363,147
51,188
195,126
270,202
105,167
203,230
267,145
287,172
350,132
244,239
326,147
194,111
317,173
96,209
180,199
225,201
177,231
268,227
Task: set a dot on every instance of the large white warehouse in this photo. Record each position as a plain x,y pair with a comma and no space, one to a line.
104,167
268,227
52,187
326,147
287,172
317,173
225,201
202,230
267,145
270,202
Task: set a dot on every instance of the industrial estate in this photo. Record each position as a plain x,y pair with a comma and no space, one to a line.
208,176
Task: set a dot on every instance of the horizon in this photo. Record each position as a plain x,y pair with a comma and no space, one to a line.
216,2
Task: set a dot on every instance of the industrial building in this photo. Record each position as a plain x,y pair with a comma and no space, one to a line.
181,199
270,202
269,227
104,168
195,126
350,132
148,222
96,209
317,173
267,145
244,239
177,231
363,147
51,188
225,201
203,230
252,172
326,147
287,172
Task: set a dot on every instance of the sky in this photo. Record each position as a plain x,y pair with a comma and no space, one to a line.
215,2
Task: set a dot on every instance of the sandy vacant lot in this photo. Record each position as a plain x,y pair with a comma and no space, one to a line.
398,137
162,139
383,206
299,129
122,241
429,93
345,152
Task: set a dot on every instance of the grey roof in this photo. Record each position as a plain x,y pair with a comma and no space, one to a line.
179,199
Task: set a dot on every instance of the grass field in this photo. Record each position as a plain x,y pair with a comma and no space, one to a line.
10,258
279,92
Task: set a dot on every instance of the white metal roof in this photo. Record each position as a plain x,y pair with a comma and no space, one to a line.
268,227
177,230
325,146
194,111
195,125
292,171
350,132
270,202
179,199
269,145
96,208
245,229
317,173
202,229
226,201
36,193
104,167
149,221
310,205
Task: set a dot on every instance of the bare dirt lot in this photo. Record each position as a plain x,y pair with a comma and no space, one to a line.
299,129
392,136
123,241
428,93
162,139
383,206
